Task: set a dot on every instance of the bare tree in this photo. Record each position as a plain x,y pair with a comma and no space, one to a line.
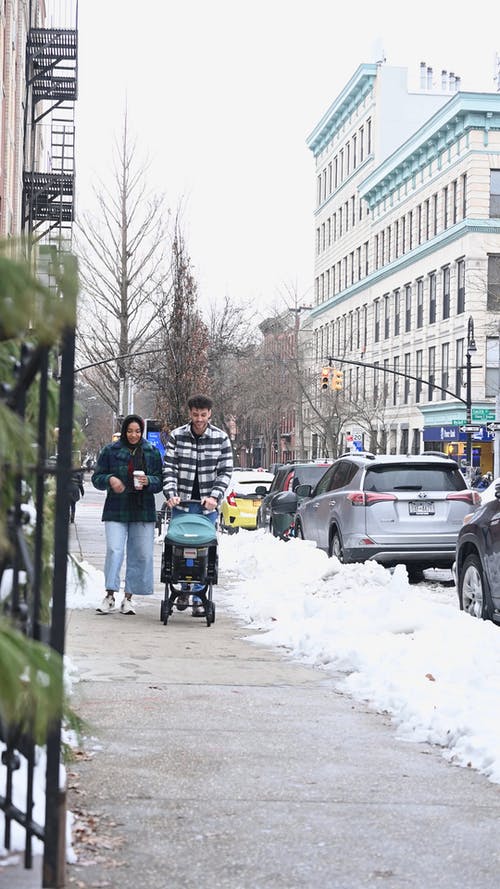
124,272
181,342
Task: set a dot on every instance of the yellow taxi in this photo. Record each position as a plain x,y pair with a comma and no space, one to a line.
241,503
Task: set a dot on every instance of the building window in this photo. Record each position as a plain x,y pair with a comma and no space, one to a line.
358,327
358,262
420,303
432,372
435,213
387,317
460,286
445,367
492,365
403,235
446,292
445,207
406,379
459,365
410,230
396,238
395,385
369,135
495,193
418,373
427,220
375,381
432,298
419,224
407,308
454,211
493,286
354,147
376,251
366,258
353,210
361,144
376,330
397,311
386,380
464,196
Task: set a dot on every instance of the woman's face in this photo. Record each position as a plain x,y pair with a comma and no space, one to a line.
134,433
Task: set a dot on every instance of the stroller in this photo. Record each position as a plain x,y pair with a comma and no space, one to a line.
189,556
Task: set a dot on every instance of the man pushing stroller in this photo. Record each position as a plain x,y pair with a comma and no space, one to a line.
197,466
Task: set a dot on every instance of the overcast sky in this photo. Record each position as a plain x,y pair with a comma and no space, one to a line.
222,95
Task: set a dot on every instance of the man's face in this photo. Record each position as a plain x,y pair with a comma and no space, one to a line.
199,419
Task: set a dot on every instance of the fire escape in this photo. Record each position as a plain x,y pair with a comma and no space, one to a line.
49,132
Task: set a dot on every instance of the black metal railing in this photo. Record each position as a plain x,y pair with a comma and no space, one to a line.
23,568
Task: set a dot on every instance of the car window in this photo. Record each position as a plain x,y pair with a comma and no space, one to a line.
277,484
309,475
325,480
416,477
344,472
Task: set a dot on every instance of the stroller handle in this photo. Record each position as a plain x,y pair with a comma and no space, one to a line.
188,502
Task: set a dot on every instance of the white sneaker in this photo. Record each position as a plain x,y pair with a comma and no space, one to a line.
126,607
107,605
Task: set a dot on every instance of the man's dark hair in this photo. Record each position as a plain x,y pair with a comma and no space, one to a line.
202,402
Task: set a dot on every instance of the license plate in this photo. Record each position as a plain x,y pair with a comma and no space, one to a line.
421,507
190,553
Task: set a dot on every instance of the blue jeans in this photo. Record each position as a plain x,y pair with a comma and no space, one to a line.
137,540
197,509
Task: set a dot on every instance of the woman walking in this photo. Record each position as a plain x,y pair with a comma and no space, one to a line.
130,470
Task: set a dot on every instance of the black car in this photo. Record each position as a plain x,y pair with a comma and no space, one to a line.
477,564
287,478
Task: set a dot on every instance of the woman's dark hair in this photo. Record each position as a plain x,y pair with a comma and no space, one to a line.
132,418
202,402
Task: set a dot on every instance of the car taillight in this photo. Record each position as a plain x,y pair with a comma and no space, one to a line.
231,498
368,498
472,497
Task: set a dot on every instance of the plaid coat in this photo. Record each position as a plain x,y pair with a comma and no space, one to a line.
130,506
211,453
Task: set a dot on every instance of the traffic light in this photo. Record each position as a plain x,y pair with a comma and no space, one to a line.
325,378
337,379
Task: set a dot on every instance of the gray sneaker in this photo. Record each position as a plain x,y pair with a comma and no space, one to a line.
107,605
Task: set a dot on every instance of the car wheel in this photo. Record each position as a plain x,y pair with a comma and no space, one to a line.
472,588
336,548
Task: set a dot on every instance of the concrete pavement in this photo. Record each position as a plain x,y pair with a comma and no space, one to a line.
213,763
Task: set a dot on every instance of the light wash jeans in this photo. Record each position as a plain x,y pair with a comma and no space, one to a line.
197,509
137,538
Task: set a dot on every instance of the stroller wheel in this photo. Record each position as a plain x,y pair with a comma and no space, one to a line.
164,611
210,613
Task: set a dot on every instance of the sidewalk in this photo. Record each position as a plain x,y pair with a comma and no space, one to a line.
212,763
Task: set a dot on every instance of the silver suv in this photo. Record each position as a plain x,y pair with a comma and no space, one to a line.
392,509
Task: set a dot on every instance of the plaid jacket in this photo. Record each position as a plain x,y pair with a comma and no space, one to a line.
211,453
130,506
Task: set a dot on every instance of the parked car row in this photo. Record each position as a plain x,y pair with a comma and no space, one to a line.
412,509
392,509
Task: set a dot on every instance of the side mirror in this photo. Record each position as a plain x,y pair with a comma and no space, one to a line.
303,491
497,491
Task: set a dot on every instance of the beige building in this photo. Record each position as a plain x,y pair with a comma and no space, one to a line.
407,261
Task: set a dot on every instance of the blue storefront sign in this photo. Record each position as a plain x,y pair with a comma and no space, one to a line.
453,433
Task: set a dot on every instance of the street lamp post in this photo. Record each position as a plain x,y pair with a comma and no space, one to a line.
471,347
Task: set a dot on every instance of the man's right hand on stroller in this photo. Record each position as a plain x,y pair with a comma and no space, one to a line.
173,501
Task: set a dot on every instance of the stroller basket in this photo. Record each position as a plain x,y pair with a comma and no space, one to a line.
190,551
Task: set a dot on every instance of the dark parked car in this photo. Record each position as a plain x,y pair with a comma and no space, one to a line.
287,478
477,564
393,509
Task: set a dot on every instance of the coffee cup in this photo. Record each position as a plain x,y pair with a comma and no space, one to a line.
138,477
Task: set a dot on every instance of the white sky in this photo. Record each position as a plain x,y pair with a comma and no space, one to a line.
403,650
222,96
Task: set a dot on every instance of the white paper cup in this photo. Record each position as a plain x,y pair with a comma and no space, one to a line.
138,476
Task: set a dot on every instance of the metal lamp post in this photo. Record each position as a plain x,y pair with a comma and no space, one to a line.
471,347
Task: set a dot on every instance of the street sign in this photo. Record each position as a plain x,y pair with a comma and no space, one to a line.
493,427
472,427
483,413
